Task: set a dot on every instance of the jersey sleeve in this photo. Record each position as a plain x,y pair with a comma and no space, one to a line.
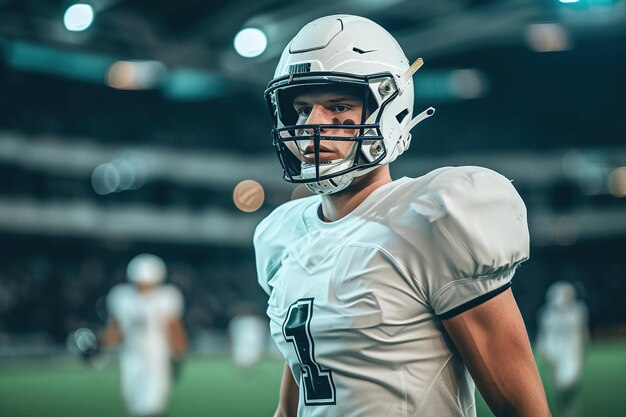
116,300
479,238
274,235
173,303
267,262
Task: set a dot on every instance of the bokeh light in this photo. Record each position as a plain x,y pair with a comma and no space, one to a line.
617,182
78,17
250,42
547,37
135,75
248,196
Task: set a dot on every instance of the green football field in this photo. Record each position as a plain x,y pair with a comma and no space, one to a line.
213,387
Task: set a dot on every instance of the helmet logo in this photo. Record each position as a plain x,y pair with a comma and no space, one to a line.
300,68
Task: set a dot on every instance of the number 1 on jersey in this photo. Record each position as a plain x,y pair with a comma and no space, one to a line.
319,388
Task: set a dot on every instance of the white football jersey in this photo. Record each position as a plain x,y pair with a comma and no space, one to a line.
355,304
145,351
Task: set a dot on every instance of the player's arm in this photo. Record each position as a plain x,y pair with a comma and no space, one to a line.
288,397
111,335
177,337
540,337
492,340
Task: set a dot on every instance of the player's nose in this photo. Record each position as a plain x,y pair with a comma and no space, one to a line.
318,116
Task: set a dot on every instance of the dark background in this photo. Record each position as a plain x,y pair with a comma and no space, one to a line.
551,121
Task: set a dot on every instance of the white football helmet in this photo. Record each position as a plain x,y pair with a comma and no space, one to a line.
561,294
146,269
343,50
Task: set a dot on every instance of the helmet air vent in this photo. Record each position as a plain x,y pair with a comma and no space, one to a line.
361,51
316,35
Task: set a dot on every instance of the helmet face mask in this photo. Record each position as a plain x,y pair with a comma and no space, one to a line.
291,138
341,52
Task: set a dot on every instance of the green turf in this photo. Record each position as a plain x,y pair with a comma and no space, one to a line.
603,387
214,387
208,387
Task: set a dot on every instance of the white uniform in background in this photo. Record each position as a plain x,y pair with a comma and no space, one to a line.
248,337
355,304
563,334
145,352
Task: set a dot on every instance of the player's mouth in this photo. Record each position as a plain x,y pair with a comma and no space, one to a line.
324,155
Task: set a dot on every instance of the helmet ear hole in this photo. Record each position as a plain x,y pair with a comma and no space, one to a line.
400,116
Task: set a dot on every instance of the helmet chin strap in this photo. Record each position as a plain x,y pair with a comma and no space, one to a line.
331,185
336,184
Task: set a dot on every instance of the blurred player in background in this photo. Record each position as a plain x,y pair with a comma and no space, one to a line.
384,294
145,321
563,335
248,337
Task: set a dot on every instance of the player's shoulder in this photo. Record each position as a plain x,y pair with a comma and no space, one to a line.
169,290
480,223
459,179
447,190
282,218
122,290
275,233
120,298
467,178
171,299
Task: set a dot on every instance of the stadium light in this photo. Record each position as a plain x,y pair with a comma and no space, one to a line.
78,17
250,42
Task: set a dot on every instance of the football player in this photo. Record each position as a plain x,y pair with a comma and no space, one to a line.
386,298
561,341
145,320
248,339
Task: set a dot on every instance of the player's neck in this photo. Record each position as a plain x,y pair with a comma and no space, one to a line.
338,205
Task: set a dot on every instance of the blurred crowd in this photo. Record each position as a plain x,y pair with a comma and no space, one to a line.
50,287
52,293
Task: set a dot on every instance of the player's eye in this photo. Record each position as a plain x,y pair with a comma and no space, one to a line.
304,111
341,108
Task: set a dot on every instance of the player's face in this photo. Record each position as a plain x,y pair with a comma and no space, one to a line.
328,108
145,287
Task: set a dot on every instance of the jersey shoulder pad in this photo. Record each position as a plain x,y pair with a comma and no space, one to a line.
480,228
119,298
172,301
